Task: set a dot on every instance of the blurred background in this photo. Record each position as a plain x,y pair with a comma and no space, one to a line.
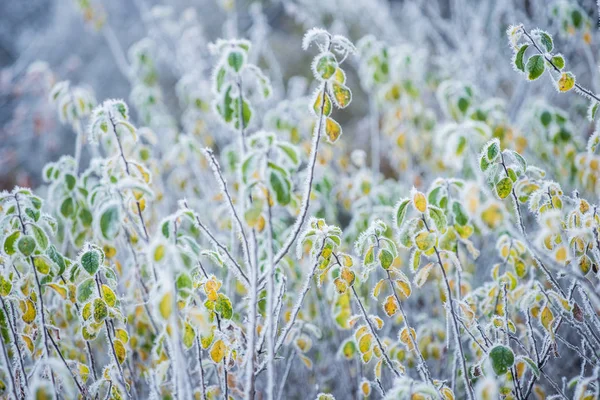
45,41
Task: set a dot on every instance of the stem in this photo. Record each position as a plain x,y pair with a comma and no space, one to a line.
112,345
288,367
218,244
15,339
201,369
374,333
13,383
219,176
270,301
139,208
308,189
423,369
461,353
82,389
219,328
40,298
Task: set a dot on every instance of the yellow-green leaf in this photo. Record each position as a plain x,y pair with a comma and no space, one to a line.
165,305
566,82
332,129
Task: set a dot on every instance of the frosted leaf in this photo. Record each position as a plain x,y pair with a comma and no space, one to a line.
315,34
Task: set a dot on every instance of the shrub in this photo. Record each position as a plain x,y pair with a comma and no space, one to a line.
451,267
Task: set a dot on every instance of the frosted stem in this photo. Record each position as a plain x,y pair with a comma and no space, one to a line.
308,187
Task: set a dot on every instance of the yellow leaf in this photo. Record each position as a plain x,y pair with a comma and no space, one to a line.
109,296
340,285
347,275
546,318
27,310
217,352
403,286
306,361
365,388
419,201
378,369
425,240
122,335
28,343
206,340
166,305
159,252
364,343
404,338
61,290
390,306
447,393
86,312
566,82
423,274
120,351
84,371
377,288
332,129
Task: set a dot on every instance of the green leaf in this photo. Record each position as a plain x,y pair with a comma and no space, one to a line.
246,113
291,152
40,237
502,359
70,181
9,243
520,160
86,217
438,217
235,59
223,306
110,222
535,67
558,61
463,104
5,286
493,151
57,258
386,258
220,78
90,261
532,365
67,207
546,41
184,285
325,66
401,211
504,187
281,186
519,58
85,290
460,214
26,245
